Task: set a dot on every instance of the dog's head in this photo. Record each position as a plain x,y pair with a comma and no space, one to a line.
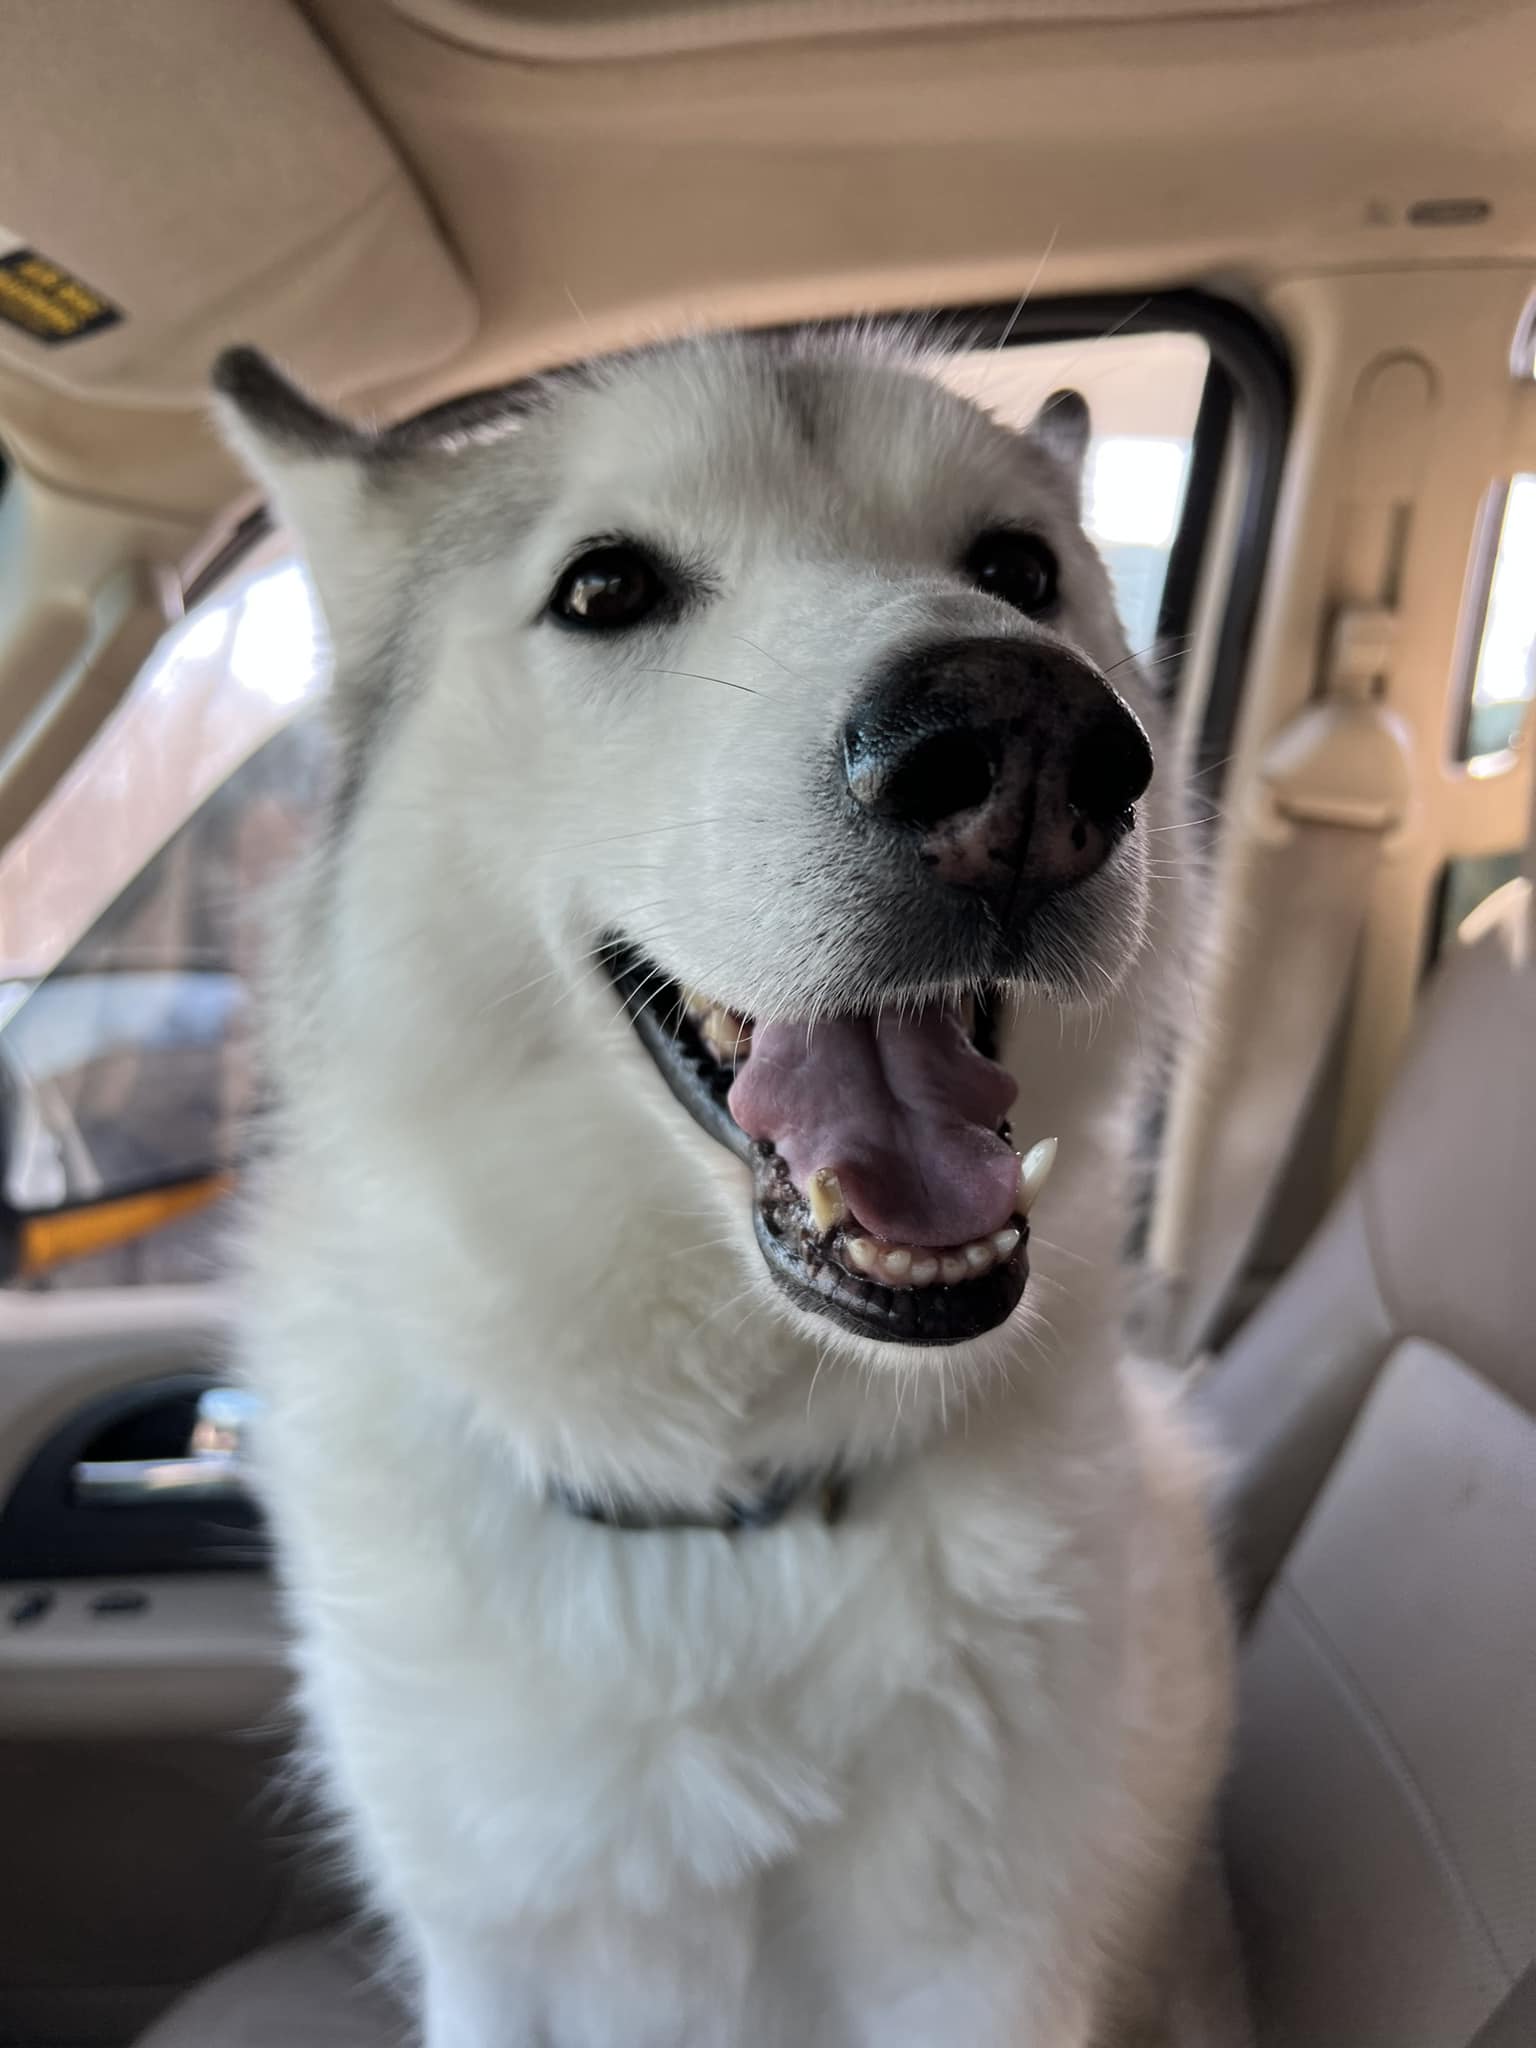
786,691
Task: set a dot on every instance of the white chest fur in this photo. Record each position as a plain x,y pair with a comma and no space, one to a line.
799,1775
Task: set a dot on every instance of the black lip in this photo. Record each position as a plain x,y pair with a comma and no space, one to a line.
799,1260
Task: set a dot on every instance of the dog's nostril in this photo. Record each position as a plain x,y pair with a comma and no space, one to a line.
939,777
1110,768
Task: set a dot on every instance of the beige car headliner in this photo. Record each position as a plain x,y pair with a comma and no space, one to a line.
408,197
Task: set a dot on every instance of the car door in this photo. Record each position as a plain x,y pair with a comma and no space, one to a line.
141,1689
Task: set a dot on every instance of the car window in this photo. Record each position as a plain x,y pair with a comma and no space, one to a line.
1499,687
1144,393
131,922
1503,679
131,905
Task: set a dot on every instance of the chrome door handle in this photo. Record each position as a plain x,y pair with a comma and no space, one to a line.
214,1469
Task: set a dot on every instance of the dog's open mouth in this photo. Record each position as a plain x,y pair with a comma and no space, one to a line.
887,1194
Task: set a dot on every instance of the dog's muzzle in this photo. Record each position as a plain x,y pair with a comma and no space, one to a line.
1008,768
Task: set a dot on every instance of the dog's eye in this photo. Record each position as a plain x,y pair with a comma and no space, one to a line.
608,588
1017,567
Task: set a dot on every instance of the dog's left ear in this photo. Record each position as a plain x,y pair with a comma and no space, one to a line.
315,469
1062,427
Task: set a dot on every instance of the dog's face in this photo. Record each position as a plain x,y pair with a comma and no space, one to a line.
791,694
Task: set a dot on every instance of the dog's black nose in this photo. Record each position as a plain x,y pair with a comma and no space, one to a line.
1012,765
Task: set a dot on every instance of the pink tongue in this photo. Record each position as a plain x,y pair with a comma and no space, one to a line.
905,1113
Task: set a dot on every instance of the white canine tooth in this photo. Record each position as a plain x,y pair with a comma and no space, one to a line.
825,1196
861,1252
896,1263
697,1006
726,1034
979,1258
925,1269
1034,1172
1004,1242
953,1268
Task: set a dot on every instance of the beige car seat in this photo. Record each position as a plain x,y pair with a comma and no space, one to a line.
1381,1510
1381,1522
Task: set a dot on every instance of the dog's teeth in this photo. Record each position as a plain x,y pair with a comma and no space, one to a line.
825,1196
1034,1172
726,1035
909,1265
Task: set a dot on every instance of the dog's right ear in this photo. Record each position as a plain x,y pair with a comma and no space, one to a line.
270,421
314,468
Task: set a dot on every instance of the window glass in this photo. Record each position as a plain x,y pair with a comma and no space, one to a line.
1143,392
130,920
1504,678
228,676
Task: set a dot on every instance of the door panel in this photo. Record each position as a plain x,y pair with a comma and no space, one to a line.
135,1866
142,1728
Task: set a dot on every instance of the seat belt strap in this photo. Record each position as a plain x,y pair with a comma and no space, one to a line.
1330,792
1308,902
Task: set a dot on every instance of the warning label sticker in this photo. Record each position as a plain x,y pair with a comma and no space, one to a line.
45,300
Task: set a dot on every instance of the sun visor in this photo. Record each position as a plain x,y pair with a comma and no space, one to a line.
176,176
551,30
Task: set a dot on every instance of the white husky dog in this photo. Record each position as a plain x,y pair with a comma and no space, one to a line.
740,1597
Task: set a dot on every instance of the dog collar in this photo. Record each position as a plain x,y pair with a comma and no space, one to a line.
762,1508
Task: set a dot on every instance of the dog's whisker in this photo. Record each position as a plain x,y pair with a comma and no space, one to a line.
724,1307
1161,650
1135,313
767,655
695,676
642,832
510,995
1060,1251
709,1244
1018,310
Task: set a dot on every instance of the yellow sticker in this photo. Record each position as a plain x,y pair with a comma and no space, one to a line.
46,302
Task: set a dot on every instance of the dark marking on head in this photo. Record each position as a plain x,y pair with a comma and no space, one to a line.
364,715
365,703
357,747
440,426
278,411
799,393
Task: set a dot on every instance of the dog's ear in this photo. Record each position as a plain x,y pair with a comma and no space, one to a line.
1062,427
271,423
315,468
